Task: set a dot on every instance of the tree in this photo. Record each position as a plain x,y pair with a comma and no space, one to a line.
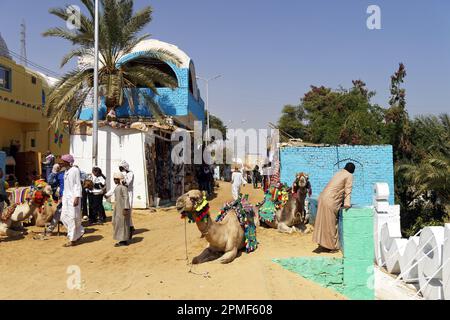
291,121
421,145
119,29
217,123
397,118
343,116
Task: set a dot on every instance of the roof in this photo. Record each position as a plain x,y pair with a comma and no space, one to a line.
152,44
143,46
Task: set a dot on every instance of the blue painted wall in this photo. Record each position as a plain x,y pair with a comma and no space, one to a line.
373,164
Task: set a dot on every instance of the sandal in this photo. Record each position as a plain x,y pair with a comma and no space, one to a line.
68,245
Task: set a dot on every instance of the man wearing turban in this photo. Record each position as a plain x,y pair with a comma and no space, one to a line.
124,168
71,201
121,214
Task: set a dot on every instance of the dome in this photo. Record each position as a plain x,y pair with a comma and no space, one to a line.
152,44
4,51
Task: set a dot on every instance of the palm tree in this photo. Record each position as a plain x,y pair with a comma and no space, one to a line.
119,29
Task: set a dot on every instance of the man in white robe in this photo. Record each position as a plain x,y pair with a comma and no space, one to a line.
237,180
124,168
71,215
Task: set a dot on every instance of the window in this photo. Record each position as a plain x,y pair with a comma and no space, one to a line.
5,78
33,79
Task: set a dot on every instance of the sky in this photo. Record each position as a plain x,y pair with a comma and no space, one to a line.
270,52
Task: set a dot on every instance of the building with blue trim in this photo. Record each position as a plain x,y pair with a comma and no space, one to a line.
183,103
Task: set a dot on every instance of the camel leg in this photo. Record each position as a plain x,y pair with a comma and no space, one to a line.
229,256
11,233
205,256
3,229
300,228
282,227
273,224
256,219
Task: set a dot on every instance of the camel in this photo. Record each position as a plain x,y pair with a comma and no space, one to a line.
225,238
290,216
39,208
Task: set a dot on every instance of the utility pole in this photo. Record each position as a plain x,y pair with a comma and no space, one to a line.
23,43
207,104
95,112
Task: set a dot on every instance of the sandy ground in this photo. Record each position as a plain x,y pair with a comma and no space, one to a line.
154,266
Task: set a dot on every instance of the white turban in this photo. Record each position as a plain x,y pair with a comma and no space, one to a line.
56,168
125,165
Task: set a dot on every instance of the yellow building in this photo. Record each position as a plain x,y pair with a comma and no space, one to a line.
22,111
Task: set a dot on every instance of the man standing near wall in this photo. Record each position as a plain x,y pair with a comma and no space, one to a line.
336,194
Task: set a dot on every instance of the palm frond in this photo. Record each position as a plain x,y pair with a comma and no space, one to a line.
163,55
154,74
79,52
65,92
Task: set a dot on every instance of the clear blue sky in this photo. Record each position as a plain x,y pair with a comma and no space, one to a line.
270,52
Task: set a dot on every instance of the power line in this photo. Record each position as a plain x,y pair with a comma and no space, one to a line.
33,64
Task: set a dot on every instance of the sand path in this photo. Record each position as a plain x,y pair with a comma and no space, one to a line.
154,266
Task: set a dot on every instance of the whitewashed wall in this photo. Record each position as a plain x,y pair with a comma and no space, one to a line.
115,145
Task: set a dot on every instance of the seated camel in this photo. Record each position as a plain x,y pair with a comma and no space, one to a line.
38,205
284,208
225,237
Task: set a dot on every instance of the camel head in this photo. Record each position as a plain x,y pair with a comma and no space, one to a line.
190,204
301,179
302,184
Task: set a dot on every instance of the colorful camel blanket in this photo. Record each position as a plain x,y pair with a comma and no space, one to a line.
20,195
275,198
245,215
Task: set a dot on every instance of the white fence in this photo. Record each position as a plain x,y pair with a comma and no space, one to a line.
423,259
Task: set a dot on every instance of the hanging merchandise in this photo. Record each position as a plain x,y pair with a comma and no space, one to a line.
58,138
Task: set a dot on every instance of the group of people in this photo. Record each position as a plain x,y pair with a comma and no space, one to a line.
258,177
80,197
205,176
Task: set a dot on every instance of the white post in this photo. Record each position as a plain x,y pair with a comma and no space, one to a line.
207,112
95,111
207,104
